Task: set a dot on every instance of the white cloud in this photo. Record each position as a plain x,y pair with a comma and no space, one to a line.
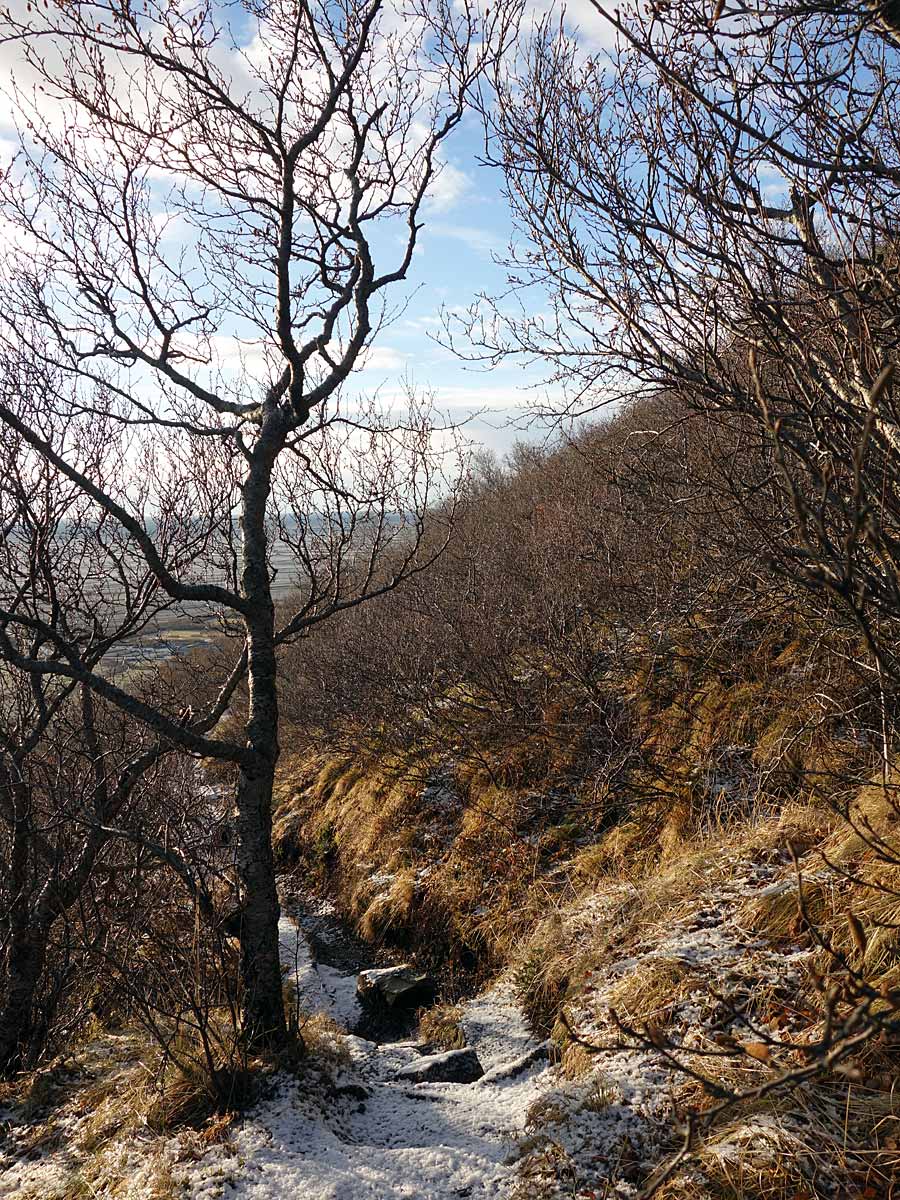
382,358
497,398
479,241
422,324
171,226
248,358
449,187
9,147
595,32
16,241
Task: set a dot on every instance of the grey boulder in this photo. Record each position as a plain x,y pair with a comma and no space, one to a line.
453,1066
397,987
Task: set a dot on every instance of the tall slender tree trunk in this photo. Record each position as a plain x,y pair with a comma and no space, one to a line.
25,958
25,937
263,1001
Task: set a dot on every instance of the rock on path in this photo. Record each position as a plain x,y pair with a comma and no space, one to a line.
453,1066
384,1131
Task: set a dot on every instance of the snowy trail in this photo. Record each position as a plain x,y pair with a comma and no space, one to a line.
349,1125
320,988
379,1135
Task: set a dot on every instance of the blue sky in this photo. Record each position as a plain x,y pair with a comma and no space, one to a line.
466,227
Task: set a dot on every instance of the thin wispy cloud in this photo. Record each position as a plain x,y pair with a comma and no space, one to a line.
484,242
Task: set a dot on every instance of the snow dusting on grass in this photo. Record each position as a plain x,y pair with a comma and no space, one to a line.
547,1119
344,1126
709,985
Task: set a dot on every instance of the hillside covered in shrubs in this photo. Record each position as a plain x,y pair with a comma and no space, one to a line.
605,723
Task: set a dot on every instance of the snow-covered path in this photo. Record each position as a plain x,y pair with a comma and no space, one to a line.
376,1135
352,1122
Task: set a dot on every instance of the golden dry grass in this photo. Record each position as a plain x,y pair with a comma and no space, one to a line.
483,876
104,1101
441,1026
493,877
812,1144
324,1040
650,993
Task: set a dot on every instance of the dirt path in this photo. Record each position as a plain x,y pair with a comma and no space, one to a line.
377,1135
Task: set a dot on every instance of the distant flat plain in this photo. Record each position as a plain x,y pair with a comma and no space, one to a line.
186,627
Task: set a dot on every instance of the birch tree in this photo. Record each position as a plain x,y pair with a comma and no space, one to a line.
212,206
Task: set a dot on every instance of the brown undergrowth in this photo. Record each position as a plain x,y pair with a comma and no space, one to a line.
552,857
454,852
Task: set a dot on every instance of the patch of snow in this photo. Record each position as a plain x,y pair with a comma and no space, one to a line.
320,988
493,1023
780,888
373,974
357,1130
32,1177
424,1141
605,1132
431,1141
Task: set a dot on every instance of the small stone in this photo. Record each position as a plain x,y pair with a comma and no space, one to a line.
453,1066
397,987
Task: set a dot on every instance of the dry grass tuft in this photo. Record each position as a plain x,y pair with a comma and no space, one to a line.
325,1041
814,1144
576,1061
628,849
185,1100
650,994
390,912
543,974
441,1026
777,914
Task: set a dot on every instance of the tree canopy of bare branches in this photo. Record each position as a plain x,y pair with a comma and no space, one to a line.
210,208
711,209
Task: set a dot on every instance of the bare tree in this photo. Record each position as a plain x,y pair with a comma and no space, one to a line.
210,203
70,778
712,209
72,766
